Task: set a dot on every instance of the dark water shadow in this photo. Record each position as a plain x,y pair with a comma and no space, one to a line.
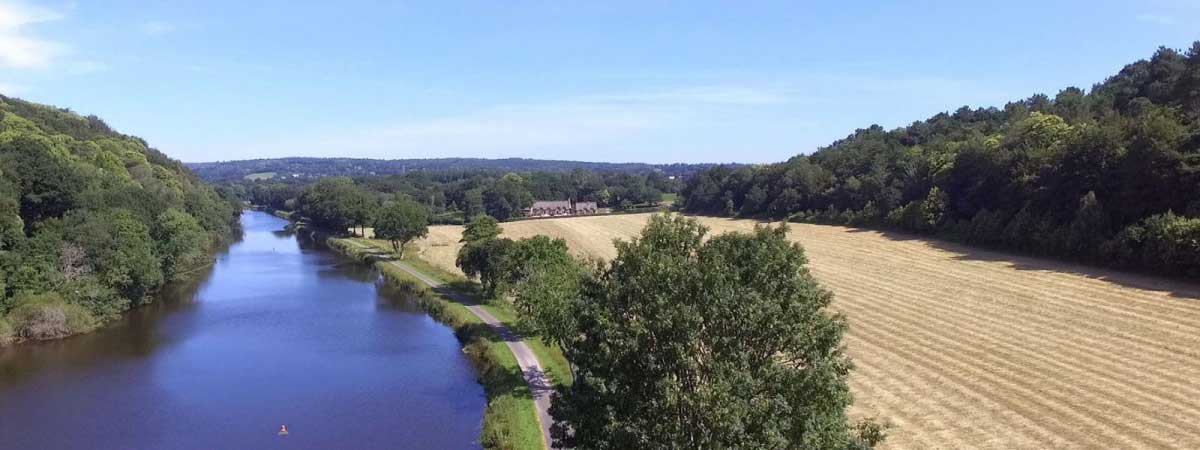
1177,288
396,299
499,379
136,334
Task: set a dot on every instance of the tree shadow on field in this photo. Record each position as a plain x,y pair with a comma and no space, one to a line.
1177,288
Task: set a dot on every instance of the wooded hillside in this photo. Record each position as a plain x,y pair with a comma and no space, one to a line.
92,221
1109,176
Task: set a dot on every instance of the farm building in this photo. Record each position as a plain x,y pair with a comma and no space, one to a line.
550,208
543,208
585,208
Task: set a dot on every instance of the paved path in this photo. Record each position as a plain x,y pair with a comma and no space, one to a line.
539,385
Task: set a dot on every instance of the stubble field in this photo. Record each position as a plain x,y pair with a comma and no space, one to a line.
958,347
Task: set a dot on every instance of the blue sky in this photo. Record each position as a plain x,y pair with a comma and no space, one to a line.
624,81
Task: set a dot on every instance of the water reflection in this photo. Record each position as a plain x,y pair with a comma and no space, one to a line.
277,331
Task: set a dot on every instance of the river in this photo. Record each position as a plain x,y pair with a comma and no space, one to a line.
278,332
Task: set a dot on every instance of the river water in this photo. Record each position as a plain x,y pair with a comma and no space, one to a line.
278,332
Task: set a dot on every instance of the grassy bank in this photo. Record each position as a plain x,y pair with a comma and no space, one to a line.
510,421
550,356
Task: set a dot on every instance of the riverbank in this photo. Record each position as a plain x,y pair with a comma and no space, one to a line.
281,331
510,368
63,312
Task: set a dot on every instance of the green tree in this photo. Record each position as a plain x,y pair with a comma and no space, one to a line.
543,279
1089,226
485,259
43,174
508,197
123,243
335,204
401,222
361,206
473,203
12,227
182,242
481,228
724,344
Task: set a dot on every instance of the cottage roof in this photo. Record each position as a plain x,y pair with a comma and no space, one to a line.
552,204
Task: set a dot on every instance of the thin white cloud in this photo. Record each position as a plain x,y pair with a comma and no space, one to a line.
15,15
1157,19
157,27
18,48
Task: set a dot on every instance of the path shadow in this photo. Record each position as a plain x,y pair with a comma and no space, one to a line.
1175,287
539,383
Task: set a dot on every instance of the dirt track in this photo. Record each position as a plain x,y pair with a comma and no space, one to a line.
963,348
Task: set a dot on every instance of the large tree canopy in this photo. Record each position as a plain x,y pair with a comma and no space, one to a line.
400,222
335,204
718,344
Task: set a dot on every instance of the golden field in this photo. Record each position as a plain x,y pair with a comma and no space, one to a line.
958,347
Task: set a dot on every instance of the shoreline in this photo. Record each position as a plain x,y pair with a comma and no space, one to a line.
515,417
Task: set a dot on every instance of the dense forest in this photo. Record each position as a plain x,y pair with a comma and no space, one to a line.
452,196
92,221
312,168
1108,176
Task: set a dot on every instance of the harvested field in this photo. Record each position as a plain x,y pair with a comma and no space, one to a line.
958,347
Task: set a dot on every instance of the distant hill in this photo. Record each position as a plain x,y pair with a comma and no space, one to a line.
223,171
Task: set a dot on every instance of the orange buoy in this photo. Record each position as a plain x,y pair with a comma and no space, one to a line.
283,430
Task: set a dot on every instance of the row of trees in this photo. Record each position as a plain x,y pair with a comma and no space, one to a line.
1108,176
92,222
338,204
681,341
452,196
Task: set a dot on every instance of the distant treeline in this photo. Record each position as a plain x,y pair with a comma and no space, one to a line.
451,196
92,222
312,168
1109,176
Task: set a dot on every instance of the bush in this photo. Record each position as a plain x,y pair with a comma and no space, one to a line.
987,227
79,320
910,217
102,301
1163,243
39,321
1172,244
6,332
47,316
